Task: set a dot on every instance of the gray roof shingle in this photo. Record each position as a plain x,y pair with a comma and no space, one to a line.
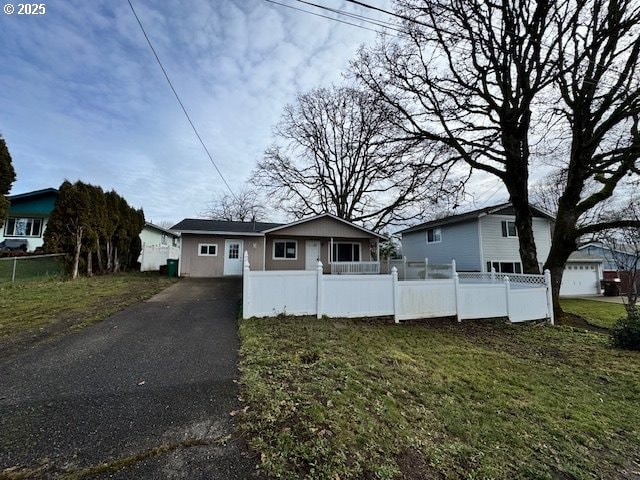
202,225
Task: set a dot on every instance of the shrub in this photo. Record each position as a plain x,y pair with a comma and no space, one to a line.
626,332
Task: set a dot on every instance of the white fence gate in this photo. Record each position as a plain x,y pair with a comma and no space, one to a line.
467,296
152,256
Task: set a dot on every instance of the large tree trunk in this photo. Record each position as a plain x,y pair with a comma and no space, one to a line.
517,182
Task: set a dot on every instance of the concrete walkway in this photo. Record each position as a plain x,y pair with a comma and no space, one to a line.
150,389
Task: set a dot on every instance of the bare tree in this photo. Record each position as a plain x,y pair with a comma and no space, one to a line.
483,79
600,111
243,206
333,153
465,75
623,249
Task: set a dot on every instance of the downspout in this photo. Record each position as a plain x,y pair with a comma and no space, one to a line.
482,266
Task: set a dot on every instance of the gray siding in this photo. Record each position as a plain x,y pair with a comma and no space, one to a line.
497,248
459,242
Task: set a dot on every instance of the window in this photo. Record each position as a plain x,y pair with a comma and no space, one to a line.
163,239
434,235
509,229
505,267
234,251
346,252
285,250
207,249
23,227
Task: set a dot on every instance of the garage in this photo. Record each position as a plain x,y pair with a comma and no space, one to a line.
581,276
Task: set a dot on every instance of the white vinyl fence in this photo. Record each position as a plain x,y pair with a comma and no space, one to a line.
152,256
308,292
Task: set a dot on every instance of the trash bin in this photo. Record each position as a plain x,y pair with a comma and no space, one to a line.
172,267
611,287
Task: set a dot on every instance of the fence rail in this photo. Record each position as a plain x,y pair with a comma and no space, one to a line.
355,267
31,267
271,292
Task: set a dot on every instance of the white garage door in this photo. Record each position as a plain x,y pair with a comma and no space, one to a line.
580,279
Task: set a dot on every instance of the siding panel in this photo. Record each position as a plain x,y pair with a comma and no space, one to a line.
459,242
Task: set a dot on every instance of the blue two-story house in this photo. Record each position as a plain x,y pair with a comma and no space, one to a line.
476,240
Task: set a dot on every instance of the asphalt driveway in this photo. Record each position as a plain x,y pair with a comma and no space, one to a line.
147,392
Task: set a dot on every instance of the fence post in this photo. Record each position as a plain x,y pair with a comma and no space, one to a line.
426,268
507,286
319,290
493,274
547,282
13,275
246,287
394,286
456,290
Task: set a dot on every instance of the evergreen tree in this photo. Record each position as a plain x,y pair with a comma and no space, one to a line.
7,177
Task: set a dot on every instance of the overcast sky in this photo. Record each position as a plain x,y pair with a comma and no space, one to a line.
84,99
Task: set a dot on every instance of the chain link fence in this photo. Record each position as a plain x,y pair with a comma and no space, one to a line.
31,267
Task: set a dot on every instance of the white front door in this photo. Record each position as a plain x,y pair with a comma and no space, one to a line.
312,254
233,257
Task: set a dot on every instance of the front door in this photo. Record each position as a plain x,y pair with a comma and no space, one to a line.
233,257
312,254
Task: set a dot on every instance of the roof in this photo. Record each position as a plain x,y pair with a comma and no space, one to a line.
322,215
627,249
501,209
202,226
157,227
584,258
35,193
199,225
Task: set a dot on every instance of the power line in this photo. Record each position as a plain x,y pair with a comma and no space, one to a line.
357,16
329,18
184,110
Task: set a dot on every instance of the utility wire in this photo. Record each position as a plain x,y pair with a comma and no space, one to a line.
357,16
195,130
329,18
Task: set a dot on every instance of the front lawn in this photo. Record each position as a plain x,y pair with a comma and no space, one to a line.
599,314
340,399
38,308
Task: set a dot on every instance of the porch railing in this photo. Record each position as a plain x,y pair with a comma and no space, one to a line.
355,268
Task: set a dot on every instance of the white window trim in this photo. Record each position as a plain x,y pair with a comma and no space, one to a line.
426,234
200,245
6,226
283,240
348,243
507,228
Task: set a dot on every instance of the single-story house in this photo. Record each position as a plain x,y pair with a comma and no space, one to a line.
27,219
154,235
214,248
481,239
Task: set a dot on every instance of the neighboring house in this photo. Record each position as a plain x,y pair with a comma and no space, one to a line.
153,235
616,261
487,237
476,240
158,245
214,248
28,216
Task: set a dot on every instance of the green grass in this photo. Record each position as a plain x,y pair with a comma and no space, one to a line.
28,269
40,307
352,399
599,314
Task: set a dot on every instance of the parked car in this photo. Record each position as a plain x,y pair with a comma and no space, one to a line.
13,245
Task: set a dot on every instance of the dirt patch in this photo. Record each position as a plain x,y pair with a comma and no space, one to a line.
414,466
575,321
